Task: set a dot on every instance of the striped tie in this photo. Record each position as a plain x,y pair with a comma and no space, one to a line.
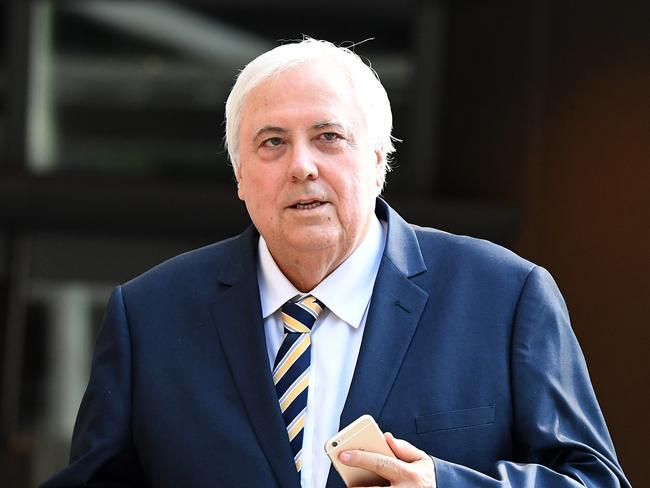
291,369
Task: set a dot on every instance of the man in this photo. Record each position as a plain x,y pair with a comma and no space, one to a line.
459,348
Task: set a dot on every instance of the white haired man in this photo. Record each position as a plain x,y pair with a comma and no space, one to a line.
232,365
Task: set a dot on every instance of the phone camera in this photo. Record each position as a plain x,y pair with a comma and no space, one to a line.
334,444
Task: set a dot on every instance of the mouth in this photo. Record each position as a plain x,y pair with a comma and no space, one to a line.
307,204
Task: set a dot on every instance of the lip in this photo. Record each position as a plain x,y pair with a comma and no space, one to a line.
307,203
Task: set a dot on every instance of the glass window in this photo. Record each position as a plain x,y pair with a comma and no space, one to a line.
139,87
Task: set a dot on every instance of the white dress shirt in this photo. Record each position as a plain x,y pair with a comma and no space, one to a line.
335,339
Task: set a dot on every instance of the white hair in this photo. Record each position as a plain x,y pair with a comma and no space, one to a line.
367,90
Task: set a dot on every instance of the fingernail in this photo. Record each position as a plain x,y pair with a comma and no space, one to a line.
345,457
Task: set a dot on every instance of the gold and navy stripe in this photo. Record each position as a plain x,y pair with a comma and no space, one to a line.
291,368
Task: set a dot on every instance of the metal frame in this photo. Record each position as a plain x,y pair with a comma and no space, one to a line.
15,258
17,55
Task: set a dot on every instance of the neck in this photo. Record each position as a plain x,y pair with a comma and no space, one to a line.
306,266
306,270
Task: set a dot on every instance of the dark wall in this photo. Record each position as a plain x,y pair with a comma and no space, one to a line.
548,107
589,208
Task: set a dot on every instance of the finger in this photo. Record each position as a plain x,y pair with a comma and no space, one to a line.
387,467
403,450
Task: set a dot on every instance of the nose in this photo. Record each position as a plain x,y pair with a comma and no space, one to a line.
302,165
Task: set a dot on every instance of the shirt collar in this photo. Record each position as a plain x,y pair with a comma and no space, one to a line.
345,292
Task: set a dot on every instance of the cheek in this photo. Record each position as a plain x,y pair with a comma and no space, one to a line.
254,184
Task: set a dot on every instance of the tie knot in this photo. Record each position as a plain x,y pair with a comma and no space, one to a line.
300,316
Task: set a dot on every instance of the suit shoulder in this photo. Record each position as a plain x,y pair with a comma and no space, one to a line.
468,251
188,266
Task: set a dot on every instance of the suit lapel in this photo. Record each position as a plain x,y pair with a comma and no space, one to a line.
395,310
239,323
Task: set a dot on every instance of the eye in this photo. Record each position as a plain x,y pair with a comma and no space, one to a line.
330,136
272,142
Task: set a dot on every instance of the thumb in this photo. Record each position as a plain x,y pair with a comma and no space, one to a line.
403,450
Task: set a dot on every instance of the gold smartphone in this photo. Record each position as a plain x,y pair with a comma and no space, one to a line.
363,434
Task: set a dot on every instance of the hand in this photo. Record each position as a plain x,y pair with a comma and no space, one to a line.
413,468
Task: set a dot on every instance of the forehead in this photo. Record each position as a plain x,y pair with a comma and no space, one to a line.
306,93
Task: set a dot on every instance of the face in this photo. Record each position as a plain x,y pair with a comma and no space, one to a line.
309,174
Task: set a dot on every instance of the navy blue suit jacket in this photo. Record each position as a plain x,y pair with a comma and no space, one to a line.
467,353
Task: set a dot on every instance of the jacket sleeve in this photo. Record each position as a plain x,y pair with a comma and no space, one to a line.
560,436
102,453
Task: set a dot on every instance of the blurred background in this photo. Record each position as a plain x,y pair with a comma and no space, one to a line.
526,122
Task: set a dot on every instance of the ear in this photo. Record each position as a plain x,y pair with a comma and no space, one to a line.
240,184
379,169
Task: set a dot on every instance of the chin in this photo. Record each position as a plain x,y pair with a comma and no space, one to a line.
312,240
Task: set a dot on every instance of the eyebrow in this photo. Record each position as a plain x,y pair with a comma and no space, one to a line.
330,124
269,128
273,129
